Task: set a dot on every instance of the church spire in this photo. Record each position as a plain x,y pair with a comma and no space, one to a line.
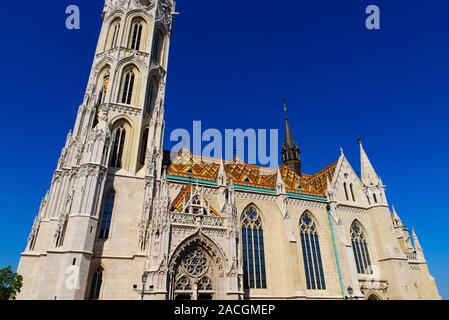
368,174
290,150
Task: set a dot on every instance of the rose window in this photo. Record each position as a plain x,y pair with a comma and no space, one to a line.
195,262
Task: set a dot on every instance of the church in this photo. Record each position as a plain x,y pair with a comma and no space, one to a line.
125,220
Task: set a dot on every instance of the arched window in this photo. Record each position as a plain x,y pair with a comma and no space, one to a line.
311,252
95,284
136,34
351,186
254,275
33,238
194,273
143,147
106,216
158,45
103,86
196,201
112,39
360,248
60,233
345,185
118,147
152,95
128,86
375,198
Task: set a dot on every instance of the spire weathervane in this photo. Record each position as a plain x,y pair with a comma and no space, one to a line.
359,140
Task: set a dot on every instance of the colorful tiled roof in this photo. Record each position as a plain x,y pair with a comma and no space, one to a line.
196,168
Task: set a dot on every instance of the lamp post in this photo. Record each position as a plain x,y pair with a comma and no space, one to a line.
350,292
144,282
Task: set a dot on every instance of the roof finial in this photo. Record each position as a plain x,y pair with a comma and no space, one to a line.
284,103
359,140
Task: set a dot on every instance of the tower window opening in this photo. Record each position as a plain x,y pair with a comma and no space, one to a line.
136,37
115,36
345,185
144,145
351,186
158,45
95,285
152,95
106,217
119,144
128,86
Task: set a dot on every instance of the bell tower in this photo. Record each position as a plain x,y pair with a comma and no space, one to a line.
117,135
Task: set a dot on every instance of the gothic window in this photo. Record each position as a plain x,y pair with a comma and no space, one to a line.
194,273
33,235
106,216
196,207
115,36
205,284
183,284
118,147
152,95
375,198
195,262
114,31
345,185
95,284
311,252
360,248
143,147
254,276
32,242
196,201
103,87
351,186
136,34
158,44
128,86
60,233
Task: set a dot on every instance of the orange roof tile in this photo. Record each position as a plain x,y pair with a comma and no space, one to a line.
188,166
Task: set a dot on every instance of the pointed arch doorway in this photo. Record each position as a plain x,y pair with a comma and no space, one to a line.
194,278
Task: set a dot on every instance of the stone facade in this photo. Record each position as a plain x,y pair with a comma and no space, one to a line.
119,208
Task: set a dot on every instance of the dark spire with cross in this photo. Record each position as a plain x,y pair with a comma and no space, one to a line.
290,150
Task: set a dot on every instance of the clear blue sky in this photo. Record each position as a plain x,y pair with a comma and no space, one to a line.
231,63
